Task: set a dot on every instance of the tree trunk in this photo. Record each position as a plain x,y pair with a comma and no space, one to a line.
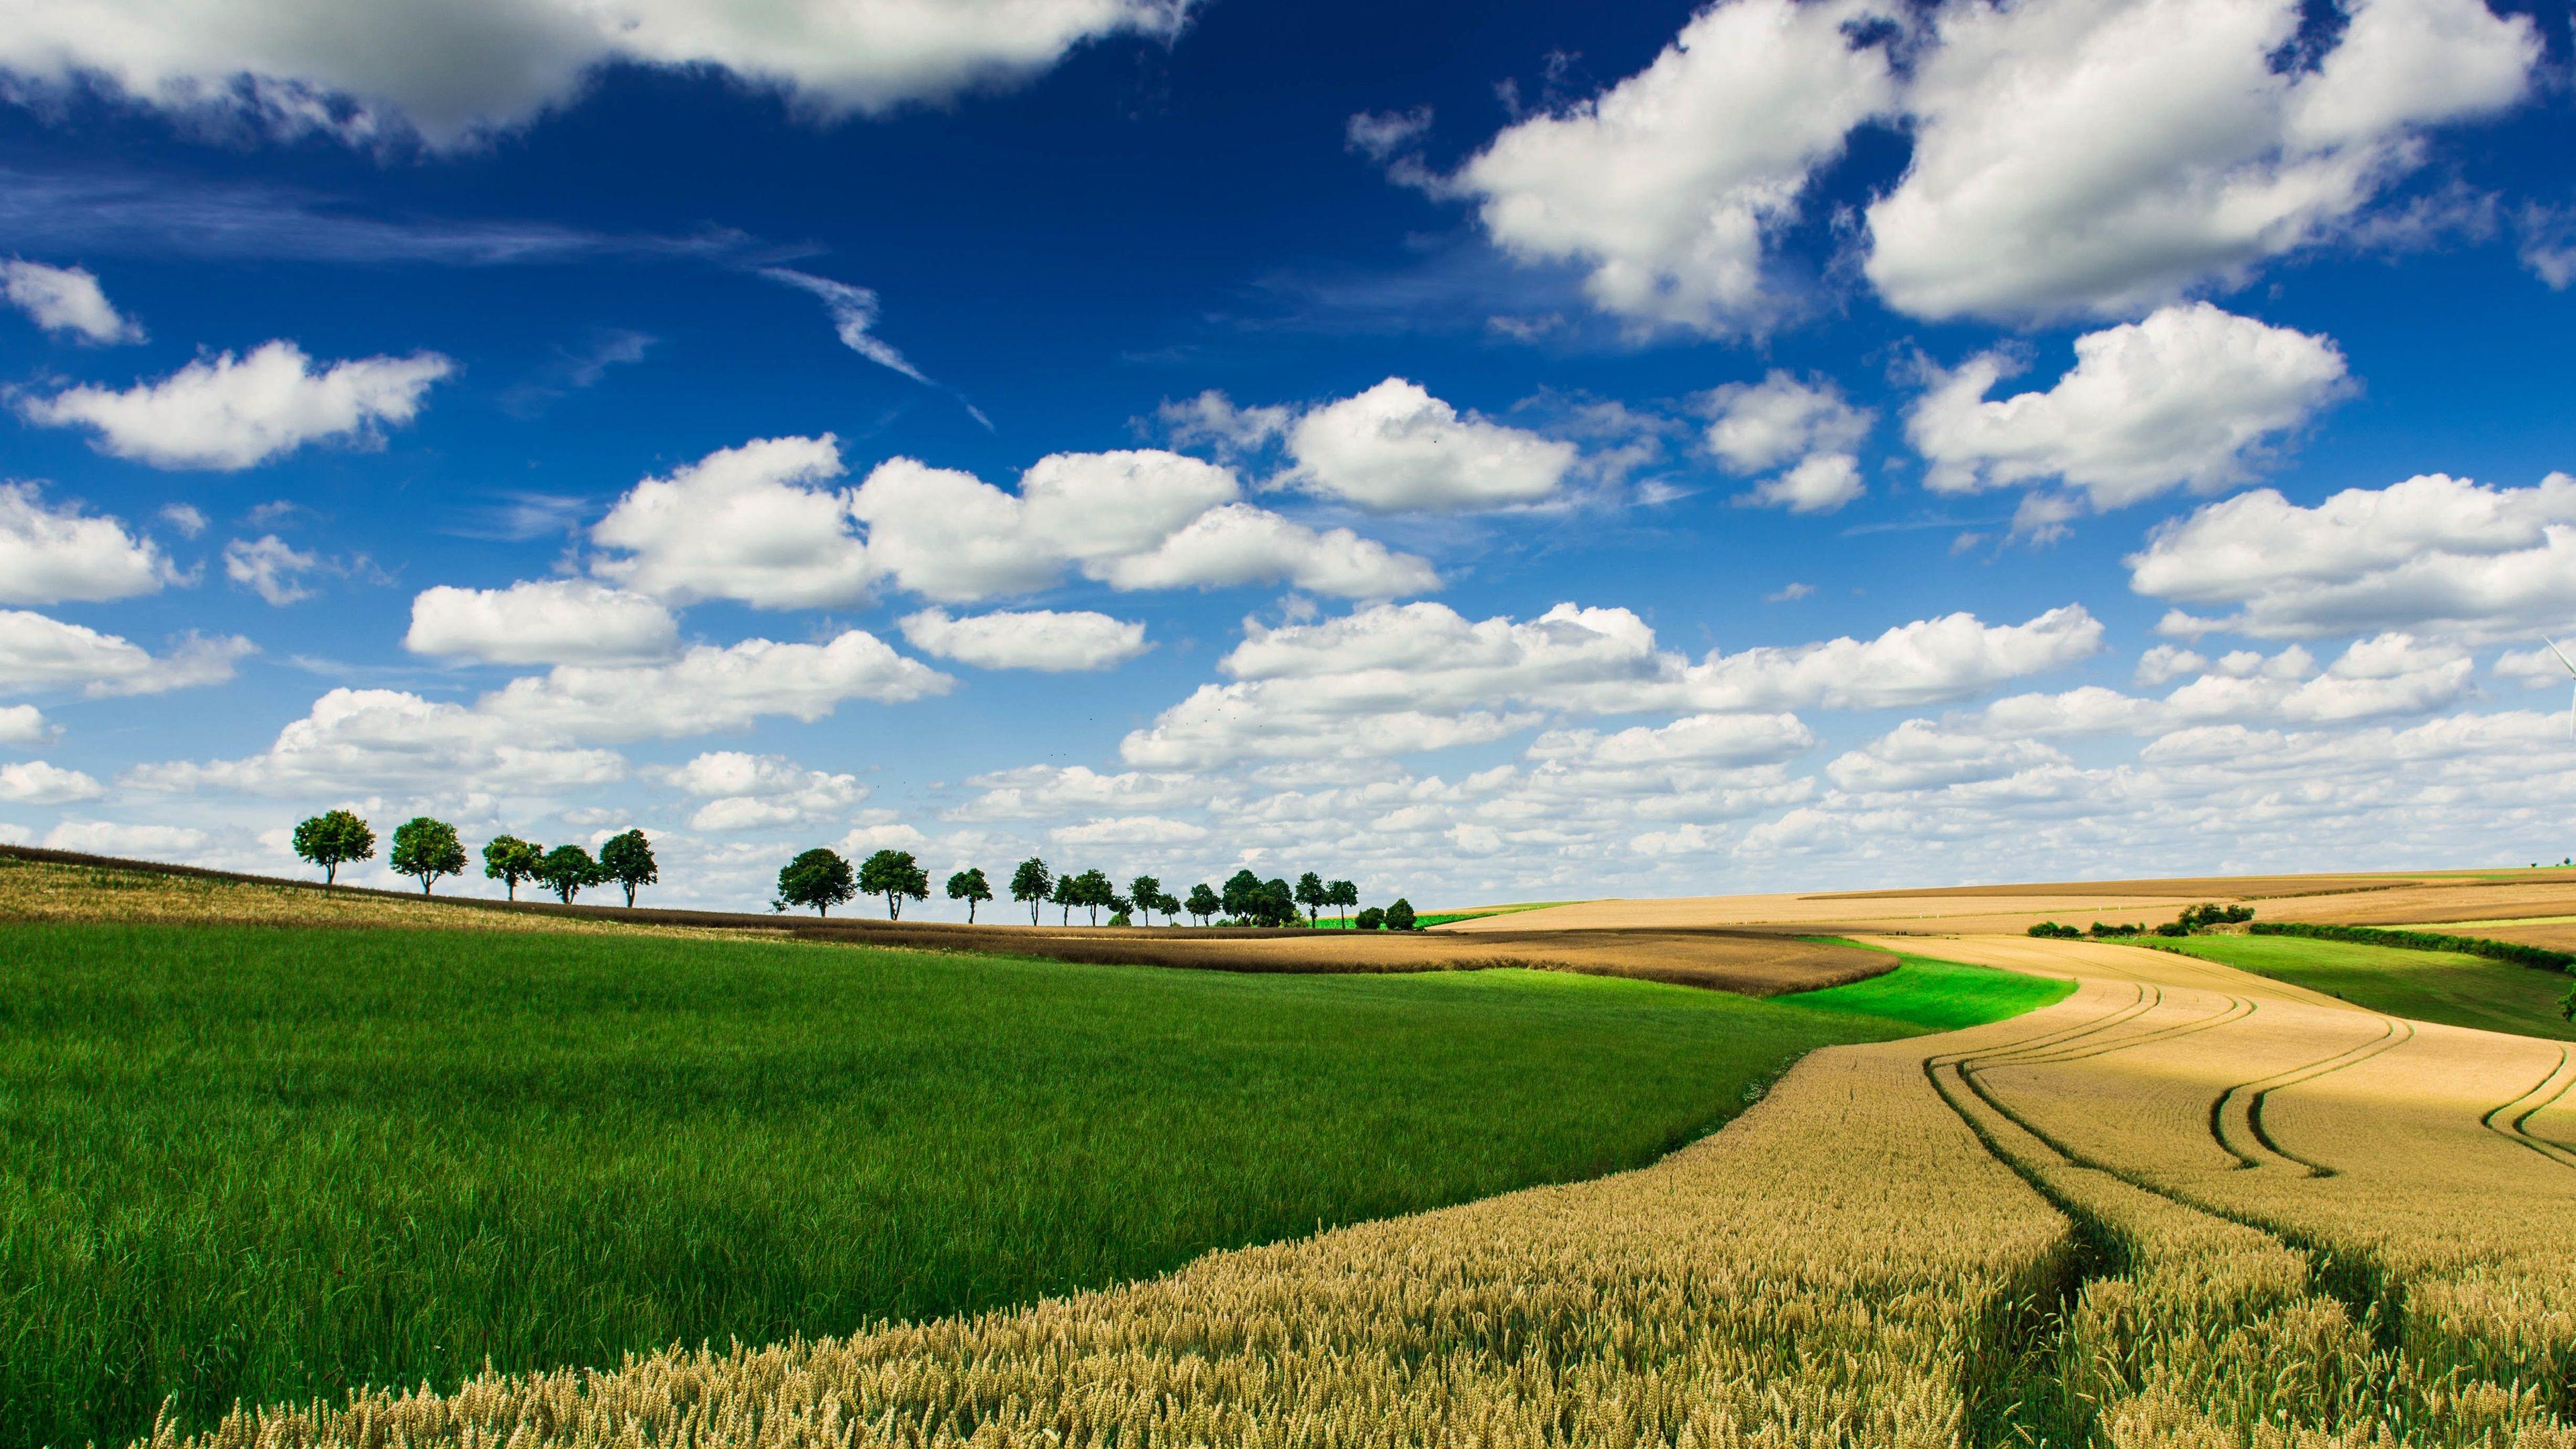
970,910
630,897
424,886
330,871
894,907
512,886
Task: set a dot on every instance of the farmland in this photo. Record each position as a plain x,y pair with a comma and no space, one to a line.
270,1163
2442,986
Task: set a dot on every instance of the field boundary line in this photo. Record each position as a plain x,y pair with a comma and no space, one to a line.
2395,1032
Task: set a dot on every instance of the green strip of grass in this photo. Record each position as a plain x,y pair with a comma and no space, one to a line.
266,1163
2438,986
1938,995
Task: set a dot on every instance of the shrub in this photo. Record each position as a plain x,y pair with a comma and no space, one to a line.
1399,917
2099,930
2173,928
1374,918
2050,930
2511,952
1120,918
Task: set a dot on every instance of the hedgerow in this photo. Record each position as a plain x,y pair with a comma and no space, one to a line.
2513,952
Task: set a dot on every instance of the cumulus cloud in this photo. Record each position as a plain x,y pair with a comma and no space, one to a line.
1804,423
757,792
1729,740
750,523
2187,398
227,413
1136,519
37,652
453,71
1395,680
1917,755
2433,555
2105,156
365,740
1037,791
1043,639
1395,448
60,555
64,299
33,782
543,621
22,726
270,567
710,688
116,838
1129,830
1666,188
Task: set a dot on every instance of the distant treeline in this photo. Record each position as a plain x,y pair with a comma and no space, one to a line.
2513,952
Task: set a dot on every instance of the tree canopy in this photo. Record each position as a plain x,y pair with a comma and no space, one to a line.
628,860
819,878
895,875
333,839
1147,893
1313,894
426,849
565,870
510,860
969,886
1031,883
1203,903
1399,917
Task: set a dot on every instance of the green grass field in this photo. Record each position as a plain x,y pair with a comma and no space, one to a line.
268,1163
1941,995
2440,986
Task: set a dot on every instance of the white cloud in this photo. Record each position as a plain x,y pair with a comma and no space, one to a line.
366,740
228,413
1042,639
2107,155
1211,420
188,519
1037,791
139,842
2435,555
41,653
1130,830
64,299
853,311
453,71
59,555
1757,426
747,523
2189,397
544,621
1395,680
1727,740
1239,544
1819,484
33,782
756,792
270,567
1918,755
710,688
22,726
2166,663
1666,187
1396,448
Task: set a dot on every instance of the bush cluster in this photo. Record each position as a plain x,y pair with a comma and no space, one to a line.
2194,918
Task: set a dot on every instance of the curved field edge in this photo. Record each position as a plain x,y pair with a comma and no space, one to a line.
262,1164
2447,987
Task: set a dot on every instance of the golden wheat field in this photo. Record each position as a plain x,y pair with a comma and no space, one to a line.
2184,1207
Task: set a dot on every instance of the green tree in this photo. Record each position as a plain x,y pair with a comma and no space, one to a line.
1313,894
895,875
628,860
1278,902
426,849
1147,893
510,860
969,886
1344,894
819,878
1371,919
1068,894
1096,892
334,839
565,870
1242,896
1203,903
1169,905
1031,883
1399,917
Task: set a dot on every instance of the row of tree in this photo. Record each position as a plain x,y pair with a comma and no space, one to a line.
428,850
821,878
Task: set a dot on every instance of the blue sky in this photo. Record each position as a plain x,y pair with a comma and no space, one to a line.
1484,451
